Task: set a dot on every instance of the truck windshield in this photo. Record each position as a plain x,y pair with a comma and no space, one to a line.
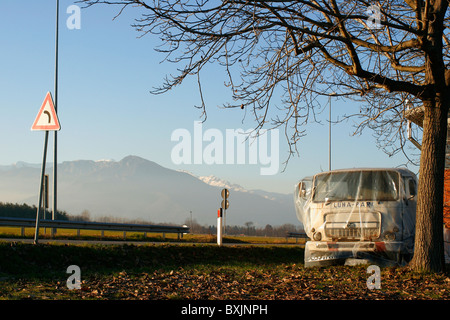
380,185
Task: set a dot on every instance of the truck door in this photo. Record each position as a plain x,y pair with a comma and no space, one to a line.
409,212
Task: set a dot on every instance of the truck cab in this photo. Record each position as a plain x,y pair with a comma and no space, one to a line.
366,215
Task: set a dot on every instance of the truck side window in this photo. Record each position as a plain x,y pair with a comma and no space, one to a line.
412,187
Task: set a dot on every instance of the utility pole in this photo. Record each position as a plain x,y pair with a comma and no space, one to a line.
329,130
329,135
55,150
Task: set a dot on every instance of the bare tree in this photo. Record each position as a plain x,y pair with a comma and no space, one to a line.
378,53
249,226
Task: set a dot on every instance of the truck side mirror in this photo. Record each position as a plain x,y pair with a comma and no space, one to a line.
302,190
412,189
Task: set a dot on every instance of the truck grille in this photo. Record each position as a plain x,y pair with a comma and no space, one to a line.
352,226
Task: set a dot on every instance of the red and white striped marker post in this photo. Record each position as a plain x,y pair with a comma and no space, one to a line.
219,226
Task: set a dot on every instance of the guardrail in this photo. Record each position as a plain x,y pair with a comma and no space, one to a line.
88,225
296,235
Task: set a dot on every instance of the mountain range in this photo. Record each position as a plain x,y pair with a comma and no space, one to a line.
136,188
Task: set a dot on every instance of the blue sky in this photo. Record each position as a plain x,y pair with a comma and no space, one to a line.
107,112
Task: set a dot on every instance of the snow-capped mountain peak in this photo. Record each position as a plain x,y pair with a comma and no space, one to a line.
217,182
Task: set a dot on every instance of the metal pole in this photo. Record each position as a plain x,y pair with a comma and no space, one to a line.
45,199
55,153
224,221
38,211
329,136
219,226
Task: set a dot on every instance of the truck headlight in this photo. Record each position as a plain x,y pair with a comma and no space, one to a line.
317,236
389,236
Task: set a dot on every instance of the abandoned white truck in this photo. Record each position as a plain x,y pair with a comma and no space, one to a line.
358,215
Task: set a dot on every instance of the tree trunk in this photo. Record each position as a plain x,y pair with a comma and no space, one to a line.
429,242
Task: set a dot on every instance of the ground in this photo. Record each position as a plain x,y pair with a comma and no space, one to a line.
198,271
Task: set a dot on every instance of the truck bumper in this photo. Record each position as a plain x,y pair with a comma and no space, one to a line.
318,253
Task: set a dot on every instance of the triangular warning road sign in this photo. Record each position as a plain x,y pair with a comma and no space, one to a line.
47,118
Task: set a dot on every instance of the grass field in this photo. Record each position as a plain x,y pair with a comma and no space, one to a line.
16,232
197,271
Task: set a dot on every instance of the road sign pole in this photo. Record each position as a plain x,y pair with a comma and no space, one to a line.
225,194
38,211
225,198
225,221
219,227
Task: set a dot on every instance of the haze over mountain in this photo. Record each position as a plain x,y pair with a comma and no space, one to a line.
136,188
